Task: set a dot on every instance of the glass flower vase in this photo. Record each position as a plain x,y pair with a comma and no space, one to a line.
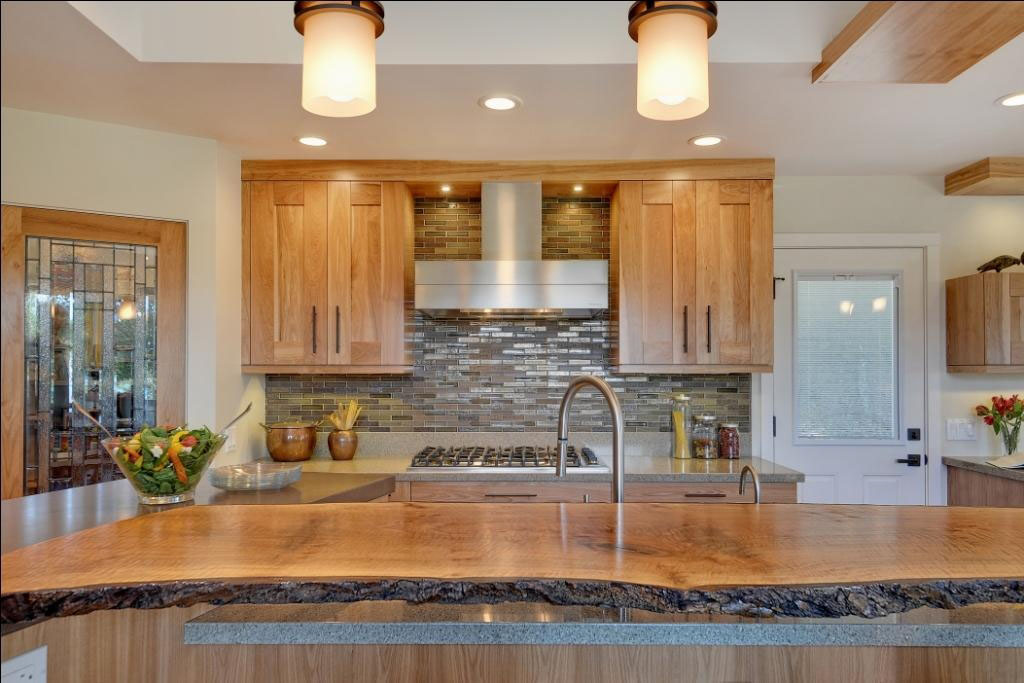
1011,439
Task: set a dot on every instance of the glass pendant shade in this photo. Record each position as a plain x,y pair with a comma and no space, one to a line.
339,64
672,67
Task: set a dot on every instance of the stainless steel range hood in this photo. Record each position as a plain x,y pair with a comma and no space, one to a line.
511,279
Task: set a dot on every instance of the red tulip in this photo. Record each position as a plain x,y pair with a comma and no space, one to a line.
989,420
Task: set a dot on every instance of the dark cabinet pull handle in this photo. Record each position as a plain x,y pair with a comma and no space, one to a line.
704,495
686,329
709,329
337,329
314,329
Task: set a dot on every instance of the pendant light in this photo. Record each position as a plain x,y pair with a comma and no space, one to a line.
672,57
339,61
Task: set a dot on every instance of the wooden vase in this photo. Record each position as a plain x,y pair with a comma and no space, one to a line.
342,444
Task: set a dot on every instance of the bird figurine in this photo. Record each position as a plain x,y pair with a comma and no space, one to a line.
1000,262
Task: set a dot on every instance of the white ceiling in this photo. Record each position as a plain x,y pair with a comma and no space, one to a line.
56,60
472,33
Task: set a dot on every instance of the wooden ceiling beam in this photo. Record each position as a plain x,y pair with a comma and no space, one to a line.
917,42
457,172
991,176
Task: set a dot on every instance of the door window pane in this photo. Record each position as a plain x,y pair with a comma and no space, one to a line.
846,359
90,337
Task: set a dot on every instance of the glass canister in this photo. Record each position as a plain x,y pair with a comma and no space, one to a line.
680,426
704,437
729,441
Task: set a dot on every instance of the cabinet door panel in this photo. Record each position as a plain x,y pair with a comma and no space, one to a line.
965,321
287,270
339,272
1016,318
997,318
734,271
684,296
366,285
656,271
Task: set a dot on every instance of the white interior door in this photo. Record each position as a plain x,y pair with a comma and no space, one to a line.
849,380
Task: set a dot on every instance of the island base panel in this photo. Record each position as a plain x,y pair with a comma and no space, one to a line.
92,647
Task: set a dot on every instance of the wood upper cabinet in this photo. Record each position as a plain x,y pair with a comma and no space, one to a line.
985,323
692,275
328,264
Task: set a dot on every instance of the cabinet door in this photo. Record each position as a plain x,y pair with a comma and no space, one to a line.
655,272
368,225
965,321
288,268
1017,318
734,272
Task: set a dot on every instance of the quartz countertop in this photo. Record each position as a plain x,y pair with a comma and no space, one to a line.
739,559
31,519
402,623
979,465
645,468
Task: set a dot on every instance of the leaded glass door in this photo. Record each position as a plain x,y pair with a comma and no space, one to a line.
91,337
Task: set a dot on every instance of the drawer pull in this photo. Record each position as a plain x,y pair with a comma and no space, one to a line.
704,495
510,495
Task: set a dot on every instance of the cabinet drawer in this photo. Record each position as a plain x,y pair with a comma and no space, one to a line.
652,492
508,492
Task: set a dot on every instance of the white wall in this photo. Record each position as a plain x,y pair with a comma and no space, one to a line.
67,163
973,230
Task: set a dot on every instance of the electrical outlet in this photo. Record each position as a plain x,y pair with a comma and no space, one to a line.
29,667
960,429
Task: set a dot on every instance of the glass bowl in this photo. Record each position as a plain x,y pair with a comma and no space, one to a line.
256,476
160,481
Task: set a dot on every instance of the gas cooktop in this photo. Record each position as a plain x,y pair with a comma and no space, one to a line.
504,459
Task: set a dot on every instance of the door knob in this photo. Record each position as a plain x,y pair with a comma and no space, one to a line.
912,460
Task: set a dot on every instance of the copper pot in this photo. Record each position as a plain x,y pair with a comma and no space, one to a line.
342,444
291,441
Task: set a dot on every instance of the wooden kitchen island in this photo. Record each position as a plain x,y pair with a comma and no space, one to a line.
736,560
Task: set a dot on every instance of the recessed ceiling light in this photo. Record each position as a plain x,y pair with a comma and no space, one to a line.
706,140
500,102
446,188
313,141
577,188
1013,100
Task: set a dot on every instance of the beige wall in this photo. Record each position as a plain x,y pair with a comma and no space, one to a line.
972,229
68,163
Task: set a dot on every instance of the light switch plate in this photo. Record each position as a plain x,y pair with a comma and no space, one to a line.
960,429
29,667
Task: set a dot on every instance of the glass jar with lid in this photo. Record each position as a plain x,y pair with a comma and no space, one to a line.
729,440
680,413
704,438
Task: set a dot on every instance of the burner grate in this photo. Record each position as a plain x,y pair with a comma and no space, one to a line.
505,456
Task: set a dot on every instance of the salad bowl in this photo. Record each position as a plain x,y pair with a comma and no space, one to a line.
165,464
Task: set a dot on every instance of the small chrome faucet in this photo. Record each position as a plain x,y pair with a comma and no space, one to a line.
575,385
756,479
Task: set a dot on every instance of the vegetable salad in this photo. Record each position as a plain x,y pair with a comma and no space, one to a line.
167,460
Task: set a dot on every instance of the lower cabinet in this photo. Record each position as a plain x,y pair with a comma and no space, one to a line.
584,492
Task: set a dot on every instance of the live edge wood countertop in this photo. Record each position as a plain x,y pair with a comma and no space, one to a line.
798,560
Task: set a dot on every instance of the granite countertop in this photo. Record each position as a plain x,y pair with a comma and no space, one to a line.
640,468
979,465
31,519
520,623
735,559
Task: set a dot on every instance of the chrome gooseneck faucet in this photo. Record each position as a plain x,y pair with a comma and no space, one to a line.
575,385
755,478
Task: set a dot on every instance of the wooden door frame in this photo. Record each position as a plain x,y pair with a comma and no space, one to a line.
762,385
170,238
